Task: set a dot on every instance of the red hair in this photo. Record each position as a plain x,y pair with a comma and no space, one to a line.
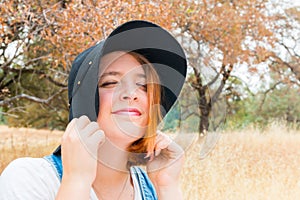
145,145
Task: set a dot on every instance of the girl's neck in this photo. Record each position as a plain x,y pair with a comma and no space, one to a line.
112,167
112,158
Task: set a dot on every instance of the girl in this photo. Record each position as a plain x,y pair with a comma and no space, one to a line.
140,69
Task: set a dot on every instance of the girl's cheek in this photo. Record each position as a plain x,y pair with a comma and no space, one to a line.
106,96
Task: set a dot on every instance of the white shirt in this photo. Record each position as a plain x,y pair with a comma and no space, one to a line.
35,179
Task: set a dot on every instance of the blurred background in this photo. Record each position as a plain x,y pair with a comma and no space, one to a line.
243,56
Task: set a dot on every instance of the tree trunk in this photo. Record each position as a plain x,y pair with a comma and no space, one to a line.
205,108
206,102
204,124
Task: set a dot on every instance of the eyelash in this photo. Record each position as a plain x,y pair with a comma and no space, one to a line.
105,84
108,83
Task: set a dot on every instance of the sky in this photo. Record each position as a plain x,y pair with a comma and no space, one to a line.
295,2
288,3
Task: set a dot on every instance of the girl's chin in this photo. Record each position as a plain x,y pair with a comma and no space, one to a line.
122,142
131,129
123,133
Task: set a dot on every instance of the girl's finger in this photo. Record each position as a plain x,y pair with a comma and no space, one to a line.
162,142
89,129
98,137
157,152
82,122
70,127
94,141
150,154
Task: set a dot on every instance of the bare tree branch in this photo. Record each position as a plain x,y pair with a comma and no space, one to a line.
213,80
226,75
247,87
295,69
266,92
40,72
191,114
32,98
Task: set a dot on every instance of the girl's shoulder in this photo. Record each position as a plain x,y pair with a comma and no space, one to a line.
28,174
27,166
26,162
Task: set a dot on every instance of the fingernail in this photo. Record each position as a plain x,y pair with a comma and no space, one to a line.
157,152
151,157
148,155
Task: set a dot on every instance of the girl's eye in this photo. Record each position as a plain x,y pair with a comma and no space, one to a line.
143,86
108,84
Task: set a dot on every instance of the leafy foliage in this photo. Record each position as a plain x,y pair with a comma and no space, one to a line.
40,39
281,104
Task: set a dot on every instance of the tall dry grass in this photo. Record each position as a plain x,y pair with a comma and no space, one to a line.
26,142
246,165
243,165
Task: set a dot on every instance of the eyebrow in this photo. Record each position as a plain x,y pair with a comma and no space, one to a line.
114,73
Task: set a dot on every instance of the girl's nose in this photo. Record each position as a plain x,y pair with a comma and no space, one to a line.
128,93
129,97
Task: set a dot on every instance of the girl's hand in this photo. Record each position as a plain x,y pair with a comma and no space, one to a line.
79,146
164,167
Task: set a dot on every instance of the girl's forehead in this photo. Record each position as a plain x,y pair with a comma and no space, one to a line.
120,63
136,72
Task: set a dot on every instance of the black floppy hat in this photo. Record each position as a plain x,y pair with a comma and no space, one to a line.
146,38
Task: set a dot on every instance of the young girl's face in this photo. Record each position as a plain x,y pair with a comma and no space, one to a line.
123,109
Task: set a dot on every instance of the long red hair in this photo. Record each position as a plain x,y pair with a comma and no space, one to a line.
145,145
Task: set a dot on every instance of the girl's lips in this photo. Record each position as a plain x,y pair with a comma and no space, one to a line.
127,111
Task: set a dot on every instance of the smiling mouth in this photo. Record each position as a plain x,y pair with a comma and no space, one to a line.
128,112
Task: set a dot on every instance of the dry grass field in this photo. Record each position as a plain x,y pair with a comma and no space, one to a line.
22,142
243,165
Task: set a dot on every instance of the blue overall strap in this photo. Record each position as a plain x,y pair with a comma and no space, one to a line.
147,189
55,161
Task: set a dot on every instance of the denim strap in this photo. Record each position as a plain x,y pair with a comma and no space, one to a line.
147,189
55,161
